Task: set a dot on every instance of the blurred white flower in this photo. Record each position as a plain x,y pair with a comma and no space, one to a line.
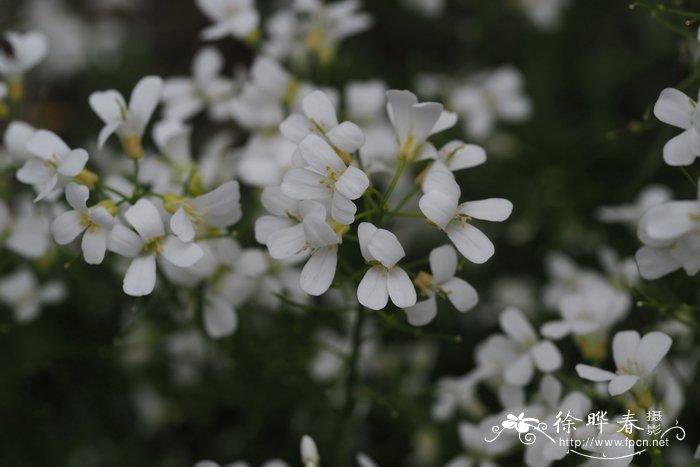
237,18
22,292
53,164
26,51
630,214
488,97
675,108
309,452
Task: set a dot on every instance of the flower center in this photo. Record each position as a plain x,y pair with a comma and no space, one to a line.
154,245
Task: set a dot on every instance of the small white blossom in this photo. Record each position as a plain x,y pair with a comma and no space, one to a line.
440,204
53,164
237,18
96,222
151,241
443,265
21,291
635,359
675,108
129,122
382,250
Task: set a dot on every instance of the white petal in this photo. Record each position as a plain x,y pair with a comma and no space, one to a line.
144,99
425,118
445,121
443,263
286,242
386,248
652,349
107,131
671,220
621,384
470,241
46,145
320,155
140,278
108,105
319,271
16,137
679,149
181,254
296,127
624,347
493,209
305,184
516,326
365,232
181,225
124,241
342,209
277,203
77,196
353,183
462,295
372,291
144,217
73,163
422,312
219,317
592,373
400,288
318,106
399,107
655,262
267,225
66,227
674,108
465,157
94,245
519,372
318,233
219,201
555,329
438,207
546,356
347,137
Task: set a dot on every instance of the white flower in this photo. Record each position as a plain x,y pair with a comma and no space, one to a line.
27,50
593,309
21,291
218,208
184,97
16,138
52,159
237,18
309,452
490,96
675,108
443,265
326,177
140,278
129,122
382,250
96,222
671,239
649,197
635,359
531,352
28,234
320,118
440,204
415,122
